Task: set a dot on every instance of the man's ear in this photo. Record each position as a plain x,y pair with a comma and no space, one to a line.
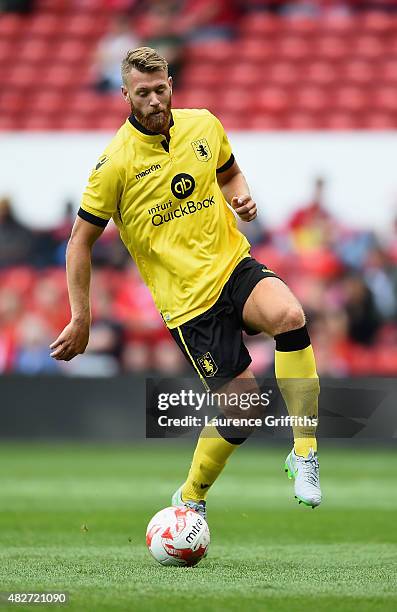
170,82
125,93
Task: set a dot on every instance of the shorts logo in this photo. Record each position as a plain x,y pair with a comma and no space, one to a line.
202,149
207,364
182,185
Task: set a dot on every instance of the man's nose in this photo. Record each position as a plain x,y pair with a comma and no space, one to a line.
154,101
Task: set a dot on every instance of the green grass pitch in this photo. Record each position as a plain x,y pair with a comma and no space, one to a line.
74,518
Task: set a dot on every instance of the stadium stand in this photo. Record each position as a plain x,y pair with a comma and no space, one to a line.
338,71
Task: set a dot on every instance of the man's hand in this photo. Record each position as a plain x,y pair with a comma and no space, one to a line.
71,341
244,206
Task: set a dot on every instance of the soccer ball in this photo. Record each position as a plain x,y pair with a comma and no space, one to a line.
177,536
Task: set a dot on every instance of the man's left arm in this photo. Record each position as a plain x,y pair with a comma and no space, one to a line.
236,192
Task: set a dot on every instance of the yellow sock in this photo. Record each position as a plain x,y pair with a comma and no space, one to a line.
209,459
298,382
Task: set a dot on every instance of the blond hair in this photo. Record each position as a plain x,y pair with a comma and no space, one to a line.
143,59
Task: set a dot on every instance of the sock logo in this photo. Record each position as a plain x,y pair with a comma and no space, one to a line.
207,365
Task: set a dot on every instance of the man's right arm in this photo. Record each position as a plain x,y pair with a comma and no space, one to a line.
73,339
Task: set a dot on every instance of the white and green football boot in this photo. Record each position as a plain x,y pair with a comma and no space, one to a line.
306,472
199,506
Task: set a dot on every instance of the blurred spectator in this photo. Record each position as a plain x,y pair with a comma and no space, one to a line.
315,8
381,277
311,225
363,318
16,240
157,24
208,20
61,233
33,355
111,51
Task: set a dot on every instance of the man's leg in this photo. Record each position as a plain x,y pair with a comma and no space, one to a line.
216,444
272,308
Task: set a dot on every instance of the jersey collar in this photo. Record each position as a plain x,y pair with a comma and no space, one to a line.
143,132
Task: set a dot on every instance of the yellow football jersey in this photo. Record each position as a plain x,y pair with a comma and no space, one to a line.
166,201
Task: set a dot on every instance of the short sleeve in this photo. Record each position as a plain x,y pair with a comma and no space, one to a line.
226,157
102,194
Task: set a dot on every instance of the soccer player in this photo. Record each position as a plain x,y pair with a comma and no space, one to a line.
169,180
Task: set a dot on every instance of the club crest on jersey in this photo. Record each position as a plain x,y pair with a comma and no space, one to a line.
202,149
207,365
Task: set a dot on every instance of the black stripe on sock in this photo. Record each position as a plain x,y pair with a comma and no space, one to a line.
294,340
231,434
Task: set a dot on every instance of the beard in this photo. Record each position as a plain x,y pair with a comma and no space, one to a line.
154,121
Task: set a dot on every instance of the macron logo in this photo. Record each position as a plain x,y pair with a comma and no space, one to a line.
144,173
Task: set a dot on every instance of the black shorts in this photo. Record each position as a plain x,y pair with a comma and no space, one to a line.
212,342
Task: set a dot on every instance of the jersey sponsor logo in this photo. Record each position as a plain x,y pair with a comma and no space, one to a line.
202,149
153,168
188,208
182,185
101,162
207,365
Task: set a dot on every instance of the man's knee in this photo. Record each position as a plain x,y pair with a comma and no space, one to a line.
288,318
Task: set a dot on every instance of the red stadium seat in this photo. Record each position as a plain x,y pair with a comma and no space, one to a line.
7,51
375,22
72,51
86,25
113,103
38,123
243,74
301,25
293,48
256,50
201,75
198,98
12,101
86,102
330,48
282,73
272,99
350,99
340,121
36,50
222,51
265,122
358,72
311,98
368,47
302,121
47,102
338,23
260,24
8,123
233,121
319,73
45,25
22,75
384,99
60,75
11,25
380,121
109,123
387,72
237,100
73,122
